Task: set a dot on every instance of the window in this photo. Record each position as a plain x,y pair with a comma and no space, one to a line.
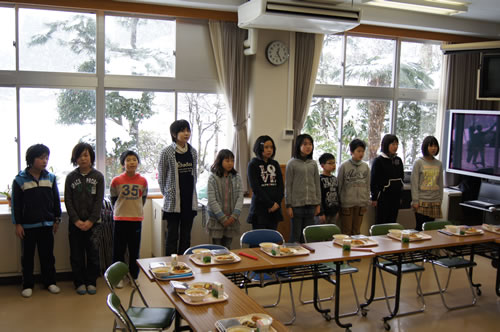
50,117
137,46
122,96
56,41
139,121
368,105
7,39
8,134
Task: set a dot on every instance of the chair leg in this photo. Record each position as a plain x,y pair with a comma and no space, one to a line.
419,291
441,292
358,308
311,301
294,314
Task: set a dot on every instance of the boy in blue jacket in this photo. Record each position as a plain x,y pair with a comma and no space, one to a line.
36,212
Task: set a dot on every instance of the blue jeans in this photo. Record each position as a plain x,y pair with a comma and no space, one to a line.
302,216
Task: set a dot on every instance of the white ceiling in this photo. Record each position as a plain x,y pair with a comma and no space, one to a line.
482,18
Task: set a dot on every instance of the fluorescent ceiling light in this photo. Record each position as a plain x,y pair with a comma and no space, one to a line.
442,7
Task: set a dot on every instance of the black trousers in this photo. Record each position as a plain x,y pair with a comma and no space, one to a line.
178,237
387,208
84,255
43,239
421,219
127,234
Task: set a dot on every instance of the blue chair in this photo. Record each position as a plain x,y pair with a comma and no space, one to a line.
189,251
252,239
392,268
325,232
134,318
450,262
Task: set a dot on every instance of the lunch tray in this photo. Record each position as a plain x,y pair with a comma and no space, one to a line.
199,262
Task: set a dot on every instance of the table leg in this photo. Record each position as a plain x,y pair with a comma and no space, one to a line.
396,295
478,290
337,298
372,291
316,298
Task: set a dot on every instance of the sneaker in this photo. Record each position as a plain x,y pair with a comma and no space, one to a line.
81,290
121,284
54,289
27,292
91,289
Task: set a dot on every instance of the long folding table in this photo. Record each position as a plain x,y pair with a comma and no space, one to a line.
415,251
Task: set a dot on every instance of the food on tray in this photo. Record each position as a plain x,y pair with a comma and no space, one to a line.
358,242
452,228
197,295
224,258
251,320
181,269
202,285
415,236
287,251
472,230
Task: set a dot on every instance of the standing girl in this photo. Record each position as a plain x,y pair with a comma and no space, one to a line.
302,187
177,172
83,195
427,183
225,199
266,181
128,193
387,181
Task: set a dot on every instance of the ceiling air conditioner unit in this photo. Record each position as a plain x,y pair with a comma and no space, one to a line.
296,16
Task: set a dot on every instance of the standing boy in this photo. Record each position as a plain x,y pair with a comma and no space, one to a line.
354,189
36,212
329,190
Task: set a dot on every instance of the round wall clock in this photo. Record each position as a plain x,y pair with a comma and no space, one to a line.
277,52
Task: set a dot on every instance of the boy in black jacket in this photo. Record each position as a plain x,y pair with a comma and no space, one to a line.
36,212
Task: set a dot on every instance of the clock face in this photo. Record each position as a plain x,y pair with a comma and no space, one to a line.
277,53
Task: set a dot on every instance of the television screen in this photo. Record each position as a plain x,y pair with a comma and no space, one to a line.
474,143
488,86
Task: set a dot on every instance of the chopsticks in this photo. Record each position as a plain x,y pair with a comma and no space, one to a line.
248,255
308,247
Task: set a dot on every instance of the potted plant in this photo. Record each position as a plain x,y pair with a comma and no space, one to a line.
7,195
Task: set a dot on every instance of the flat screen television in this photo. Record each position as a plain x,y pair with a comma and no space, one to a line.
488,76
474,143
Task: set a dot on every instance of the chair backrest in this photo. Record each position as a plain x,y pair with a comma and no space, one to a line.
115,273
383,229
433,225
256,236
189,251
116,307
319,233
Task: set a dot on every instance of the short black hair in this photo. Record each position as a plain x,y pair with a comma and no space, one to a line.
127,153
258,146
79,149
217,165
325,157
298,142
36,151
178,126
356,143
386,141
428,141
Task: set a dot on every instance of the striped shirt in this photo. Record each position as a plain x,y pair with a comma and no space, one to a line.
130,193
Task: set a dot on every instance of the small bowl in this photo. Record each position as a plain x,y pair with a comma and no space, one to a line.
452,228
266,245
339,236
201,252
161,272
196,295
395,232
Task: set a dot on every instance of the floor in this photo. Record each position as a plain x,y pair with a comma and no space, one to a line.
68,311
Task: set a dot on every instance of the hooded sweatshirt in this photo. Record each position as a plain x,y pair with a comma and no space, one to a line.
354,184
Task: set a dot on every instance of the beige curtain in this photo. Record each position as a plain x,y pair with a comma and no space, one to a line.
461,83
232,71
307,55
